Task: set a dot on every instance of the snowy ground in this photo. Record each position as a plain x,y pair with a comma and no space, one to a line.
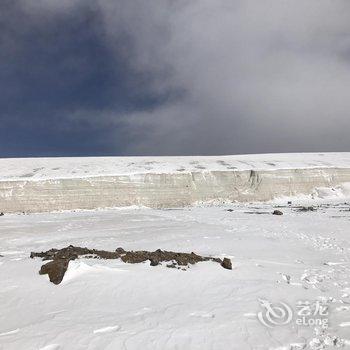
297,257
31,169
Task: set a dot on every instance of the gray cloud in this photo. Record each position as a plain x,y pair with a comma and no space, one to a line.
218,77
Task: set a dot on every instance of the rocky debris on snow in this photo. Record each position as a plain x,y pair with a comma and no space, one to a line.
304,209
60,258
2,214
277,212
257,212
286,278
227,264
230,210
55,269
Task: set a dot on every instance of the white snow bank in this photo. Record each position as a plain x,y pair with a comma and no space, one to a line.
320,195
81,267
82,167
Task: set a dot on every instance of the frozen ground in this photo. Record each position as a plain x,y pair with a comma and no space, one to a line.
300,256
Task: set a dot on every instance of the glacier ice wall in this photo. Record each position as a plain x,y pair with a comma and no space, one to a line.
165,189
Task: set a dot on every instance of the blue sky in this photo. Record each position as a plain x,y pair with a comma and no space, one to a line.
173,77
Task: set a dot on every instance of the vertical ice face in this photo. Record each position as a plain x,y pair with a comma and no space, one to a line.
166,182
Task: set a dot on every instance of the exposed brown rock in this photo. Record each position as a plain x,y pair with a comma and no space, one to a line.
306,209
227,264
55,269
277,212
61,257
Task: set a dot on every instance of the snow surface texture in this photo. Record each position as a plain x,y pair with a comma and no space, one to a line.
49,184
14,169
299,256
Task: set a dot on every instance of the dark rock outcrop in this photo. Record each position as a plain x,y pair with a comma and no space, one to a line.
60,258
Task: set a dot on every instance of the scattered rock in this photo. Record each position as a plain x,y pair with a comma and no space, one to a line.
72,253
257,212
230,210
55,269
227,264
60,258
154,262
2,214
172,265
277,212
306,209
286,278
120,250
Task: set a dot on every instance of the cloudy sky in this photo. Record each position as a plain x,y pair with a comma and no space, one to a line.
173,77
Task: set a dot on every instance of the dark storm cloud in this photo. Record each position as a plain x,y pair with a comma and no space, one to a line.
173,77
59,78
